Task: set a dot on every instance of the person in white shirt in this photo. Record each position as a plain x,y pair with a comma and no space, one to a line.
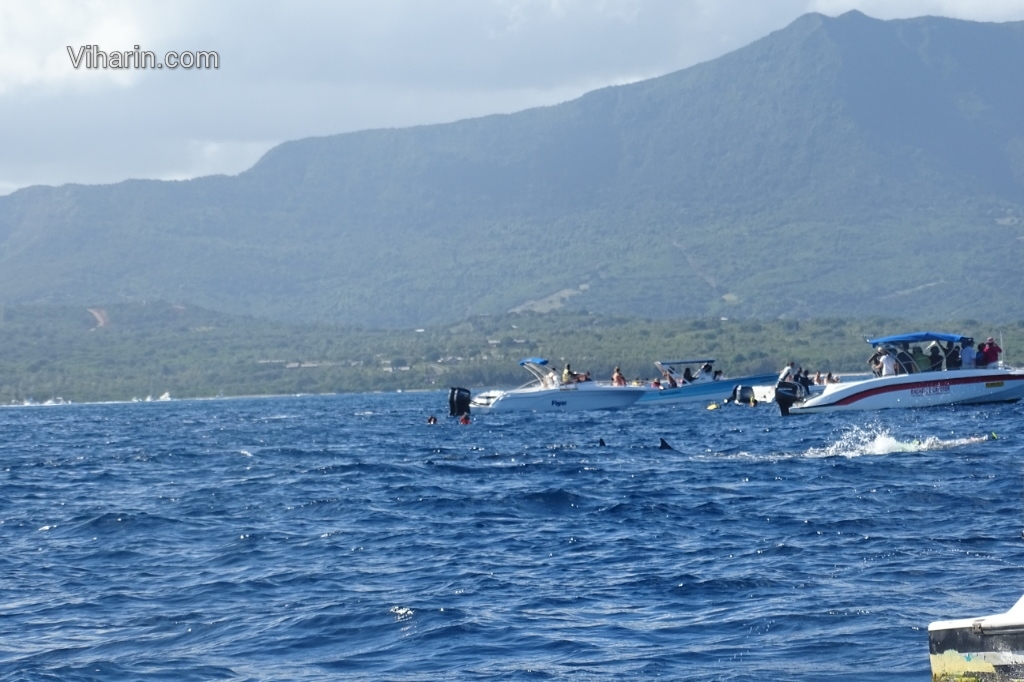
888,364
787,372
704,373
967,354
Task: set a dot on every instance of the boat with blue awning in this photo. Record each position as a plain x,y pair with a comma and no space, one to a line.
913,382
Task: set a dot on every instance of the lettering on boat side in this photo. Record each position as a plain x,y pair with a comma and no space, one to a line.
994,384
558,403
936,389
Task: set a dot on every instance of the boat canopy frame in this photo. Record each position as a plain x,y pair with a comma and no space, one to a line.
918,337
904,359
541,370
669,363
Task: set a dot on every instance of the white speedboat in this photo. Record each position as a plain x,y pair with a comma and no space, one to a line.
703,386
910,386
546,392
981,648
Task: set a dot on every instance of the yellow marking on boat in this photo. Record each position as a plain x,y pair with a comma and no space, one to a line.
994,384
953,666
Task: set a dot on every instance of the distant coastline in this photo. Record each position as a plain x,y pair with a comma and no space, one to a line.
57,353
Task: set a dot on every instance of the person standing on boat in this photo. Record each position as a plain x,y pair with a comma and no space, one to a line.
935,357
888,363
920,359
787,372
981,359
967,354
876,362
992,352
568,376
952,352
617,378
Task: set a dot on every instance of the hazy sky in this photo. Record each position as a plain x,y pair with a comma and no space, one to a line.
294,69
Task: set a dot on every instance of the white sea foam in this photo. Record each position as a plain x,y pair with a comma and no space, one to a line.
858,441
401,613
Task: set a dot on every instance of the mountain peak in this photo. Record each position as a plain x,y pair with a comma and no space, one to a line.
842,166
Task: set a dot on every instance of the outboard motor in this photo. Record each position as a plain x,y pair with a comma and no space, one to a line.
742,394
787,393
458,402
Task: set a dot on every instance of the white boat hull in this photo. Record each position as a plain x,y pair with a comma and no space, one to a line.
927,389
982,648
566,398
701,391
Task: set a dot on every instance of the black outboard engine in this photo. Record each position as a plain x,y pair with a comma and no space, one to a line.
458,402
787,393
742,394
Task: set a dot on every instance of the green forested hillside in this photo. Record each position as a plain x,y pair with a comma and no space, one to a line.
841,167
128,351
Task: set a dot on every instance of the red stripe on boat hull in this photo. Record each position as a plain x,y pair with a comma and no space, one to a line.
879,390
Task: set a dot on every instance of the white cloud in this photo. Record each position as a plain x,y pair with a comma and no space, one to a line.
35,36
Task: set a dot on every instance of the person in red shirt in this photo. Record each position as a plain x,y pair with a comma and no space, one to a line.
992,352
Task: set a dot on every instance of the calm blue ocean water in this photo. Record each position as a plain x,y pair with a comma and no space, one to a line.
341,537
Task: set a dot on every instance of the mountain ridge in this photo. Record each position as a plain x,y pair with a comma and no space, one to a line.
828,168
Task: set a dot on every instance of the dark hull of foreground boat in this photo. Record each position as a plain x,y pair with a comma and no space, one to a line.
989,648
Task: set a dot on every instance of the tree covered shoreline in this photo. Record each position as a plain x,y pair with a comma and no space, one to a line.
133,351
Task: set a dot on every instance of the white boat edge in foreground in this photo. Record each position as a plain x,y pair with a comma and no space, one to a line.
980,648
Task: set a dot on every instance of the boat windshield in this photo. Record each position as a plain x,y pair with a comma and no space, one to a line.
541,371
704,369
905,361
